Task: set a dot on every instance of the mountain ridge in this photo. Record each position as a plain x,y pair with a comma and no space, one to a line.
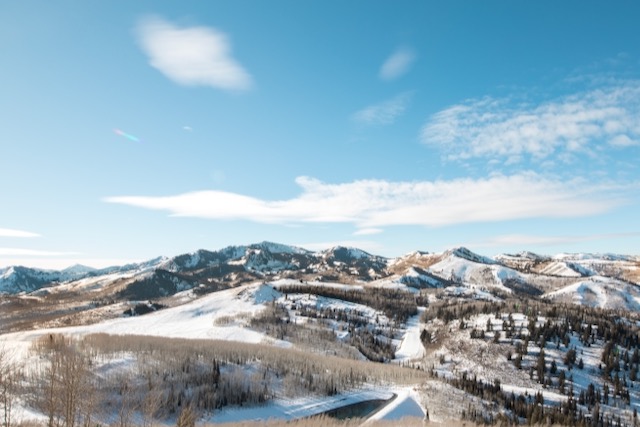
233,265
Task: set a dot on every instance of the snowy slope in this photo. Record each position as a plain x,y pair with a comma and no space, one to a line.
540,264
598,291
406,404
411,346
462,266
18,279
419,278
221,315
575,265
559,269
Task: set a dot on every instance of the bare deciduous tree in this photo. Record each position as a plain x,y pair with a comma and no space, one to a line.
65,384
150,405
187,417
10,374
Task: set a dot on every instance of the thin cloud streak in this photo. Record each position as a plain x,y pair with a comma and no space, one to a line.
32,252
7,232
376,203
398,64
195,56
524,240
368,231
582,123
383,113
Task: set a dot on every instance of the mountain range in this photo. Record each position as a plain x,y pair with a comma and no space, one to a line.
453,331
584,278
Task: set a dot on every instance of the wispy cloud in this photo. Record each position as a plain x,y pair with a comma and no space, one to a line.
367,231
623,141
193,56
7,232
31,252
383,113
524,240
397,64
498,128
377,203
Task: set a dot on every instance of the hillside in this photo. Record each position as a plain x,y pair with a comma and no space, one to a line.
285,332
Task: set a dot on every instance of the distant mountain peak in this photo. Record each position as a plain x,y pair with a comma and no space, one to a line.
531,255
465,253
78,269
278,247
346,252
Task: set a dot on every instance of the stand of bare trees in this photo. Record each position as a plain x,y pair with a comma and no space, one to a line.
138,380
63,385
10,380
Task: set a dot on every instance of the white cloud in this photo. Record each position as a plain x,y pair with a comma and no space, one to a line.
574,124
384,113
397,64
31,252
194,56
7,232
524,240
377,203
367,231
622,141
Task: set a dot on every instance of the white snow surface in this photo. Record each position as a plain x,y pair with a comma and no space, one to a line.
411,346
458,269
598,291
528,256
88,284
412,276
598,257
196,319
462,252
558,268
6,272
406,404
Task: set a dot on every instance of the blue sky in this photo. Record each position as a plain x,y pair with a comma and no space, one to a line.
137,129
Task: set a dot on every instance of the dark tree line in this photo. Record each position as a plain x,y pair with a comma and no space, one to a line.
396,304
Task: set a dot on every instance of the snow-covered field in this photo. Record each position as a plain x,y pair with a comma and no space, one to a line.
221,315
225,315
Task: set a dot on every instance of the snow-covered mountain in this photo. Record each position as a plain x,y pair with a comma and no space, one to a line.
460,319
599,291
565,275
17,279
